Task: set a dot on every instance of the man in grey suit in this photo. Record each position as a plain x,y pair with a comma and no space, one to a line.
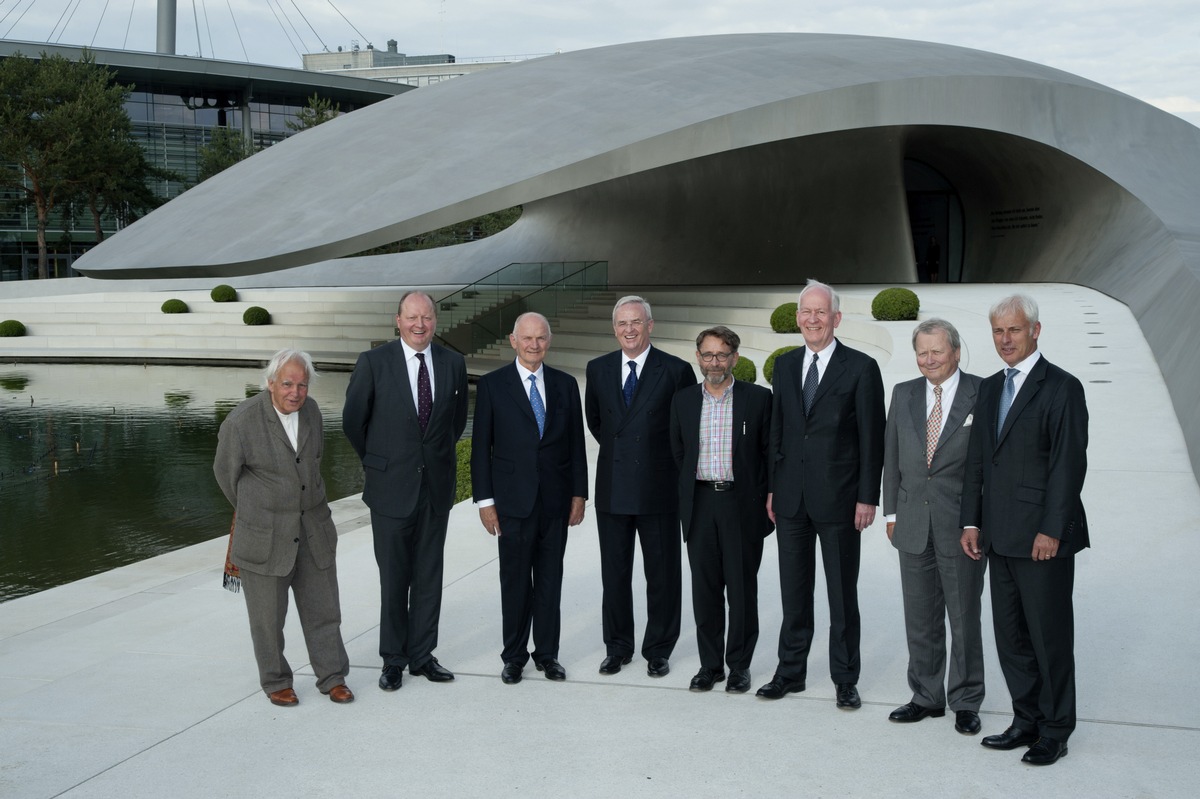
924,458
268,464
1021,506
406,406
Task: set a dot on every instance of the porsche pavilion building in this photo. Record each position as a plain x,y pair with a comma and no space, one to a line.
753,159
176,103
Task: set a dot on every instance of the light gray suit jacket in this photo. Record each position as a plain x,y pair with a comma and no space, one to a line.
925,497
277,491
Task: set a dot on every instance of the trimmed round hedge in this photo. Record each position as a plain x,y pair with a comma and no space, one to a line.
174,306
745,370
895,305
783,318
11,328
255,315
224,293
769,364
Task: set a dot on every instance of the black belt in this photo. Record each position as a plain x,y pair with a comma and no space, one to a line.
716,485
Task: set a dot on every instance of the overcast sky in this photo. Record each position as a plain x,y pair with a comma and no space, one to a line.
1147,48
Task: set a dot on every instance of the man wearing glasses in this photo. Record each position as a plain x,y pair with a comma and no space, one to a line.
720,432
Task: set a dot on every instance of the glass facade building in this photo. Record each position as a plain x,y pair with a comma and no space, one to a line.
176,104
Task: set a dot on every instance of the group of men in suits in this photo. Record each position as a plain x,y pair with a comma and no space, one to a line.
966,467
996,467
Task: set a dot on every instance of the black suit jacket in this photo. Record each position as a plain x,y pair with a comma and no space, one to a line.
380,420
509,463
635,472
833,458
1028,479
751,436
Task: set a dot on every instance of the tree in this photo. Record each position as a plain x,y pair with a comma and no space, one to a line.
318,111
56,116
224,149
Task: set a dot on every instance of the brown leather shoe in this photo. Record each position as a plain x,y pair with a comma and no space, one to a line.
341,694
284,697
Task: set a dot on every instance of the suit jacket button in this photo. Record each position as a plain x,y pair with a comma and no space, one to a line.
295,540
297,460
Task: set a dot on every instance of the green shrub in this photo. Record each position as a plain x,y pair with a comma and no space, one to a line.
894,305
11,328
745,370
174,306
783,318
769,364
462,453
255,315
224,293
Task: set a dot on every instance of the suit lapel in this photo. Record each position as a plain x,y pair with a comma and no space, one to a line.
916,406
833,372
274,423
1031,386
516,390
964,398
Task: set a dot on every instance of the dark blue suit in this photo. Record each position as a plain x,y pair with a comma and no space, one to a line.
532,481
636,492
1023,480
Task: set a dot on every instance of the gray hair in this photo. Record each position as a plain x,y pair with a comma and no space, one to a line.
1015,303
632,298
930,326
532,315
835,302
283,358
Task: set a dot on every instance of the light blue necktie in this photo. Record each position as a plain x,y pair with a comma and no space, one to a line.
539,407
1006,398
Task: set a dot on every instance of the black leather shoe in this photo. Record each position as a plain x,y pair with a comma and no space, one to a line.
911,712
512,673
658,667
739,681
966,722
433,671
778,687
1010,739
1045,752
847,697
391,678
554,670
704,679
613,663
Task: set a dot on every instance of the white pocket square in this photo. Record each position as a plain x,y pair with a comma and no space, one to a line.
970,418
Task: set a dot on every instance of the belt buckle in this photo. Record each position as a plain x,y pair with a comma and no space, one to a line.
722,485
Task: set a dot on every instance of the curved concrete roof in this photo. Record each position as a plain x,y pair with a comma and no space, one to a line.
760,158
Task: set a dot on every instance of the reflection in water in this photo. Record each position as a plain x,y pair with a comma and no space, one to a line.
101,466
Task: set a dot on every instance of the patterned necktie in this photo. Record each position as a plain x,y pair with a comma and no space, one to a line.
424,393
933,428
1006,398
810,385
630,384
539,408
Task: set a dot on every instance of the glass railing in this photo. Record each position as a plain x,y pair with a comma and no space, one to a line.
483,313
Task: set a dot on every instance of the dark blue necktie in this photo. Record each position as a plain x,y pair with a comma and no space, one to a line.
539,408
630,384
810,385
1006,398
